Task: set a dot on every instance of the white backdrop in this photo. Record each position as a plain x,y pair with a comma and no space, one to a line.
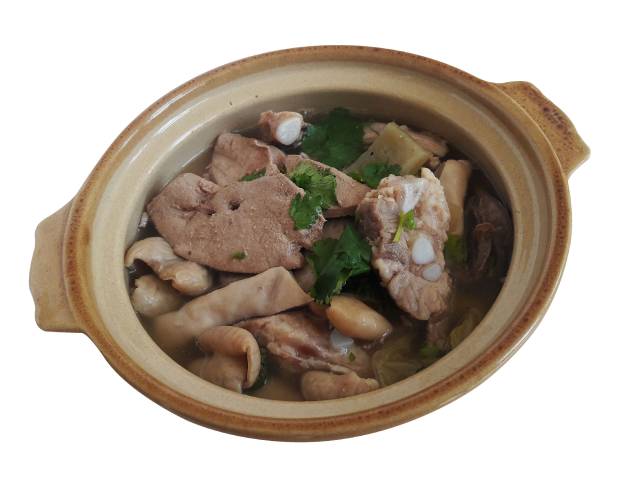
73,75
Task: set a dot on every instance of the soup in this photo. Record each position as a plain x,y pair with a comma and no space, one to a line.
315,259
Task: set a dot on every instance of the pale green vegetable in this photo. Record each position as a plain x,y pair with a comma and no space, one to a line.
393,146
397,359
470,320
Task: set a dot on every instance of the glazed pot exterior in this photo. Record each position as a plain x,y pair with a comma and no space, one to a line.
524,143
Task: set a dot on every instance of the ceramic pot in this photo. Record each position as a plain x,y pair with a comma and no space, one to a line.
524,143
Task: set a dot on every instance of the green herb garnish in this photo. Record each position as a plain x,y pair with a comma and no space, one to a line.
253,175
317,181
239,255
336,140
335,261
430,354
406,221
305,210
319,185
352,356
372,173
455,250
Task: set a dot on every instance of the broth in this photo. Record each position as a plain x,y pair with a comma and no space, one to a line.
401,353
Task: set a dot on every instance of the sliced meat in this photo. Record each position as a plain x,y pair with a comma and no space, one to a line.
328,386
349,192
300,343
265,294
412,268
244,227
235,156
152,297
186,277
282,127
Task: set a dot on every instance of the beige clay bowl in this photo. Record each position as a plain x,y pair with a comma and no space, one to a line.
524,142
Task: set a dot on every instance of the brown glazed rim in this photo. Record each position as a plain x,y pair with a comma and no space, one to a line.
77,274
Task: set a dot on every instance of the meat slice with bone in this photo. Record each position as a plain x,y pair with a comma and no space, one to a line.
411,268
235,156
244,227
349,192
282,127
265,294
299,343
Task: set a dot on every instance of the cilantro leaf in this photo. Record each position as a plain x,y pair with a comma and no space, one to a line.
319,185
405,221
317,181
336,140
455,250
335,261
253,175
241,255
372,173
430,353
305,210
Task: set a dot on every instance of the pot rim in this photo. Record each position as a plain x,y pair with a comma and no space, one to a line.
76,260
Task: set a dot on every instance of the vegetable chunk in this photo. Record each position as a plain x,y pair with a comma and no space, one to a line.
393,146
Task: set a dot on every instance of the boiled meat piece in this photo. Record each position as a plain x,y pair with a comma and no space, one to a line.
317,385
152,297
265,294
235,156
491,236
300,343
226,371
185,276
411,268
244,227
233,342
282,127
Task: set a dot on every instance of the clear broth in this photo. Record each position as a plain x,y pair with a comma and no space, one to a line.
411,334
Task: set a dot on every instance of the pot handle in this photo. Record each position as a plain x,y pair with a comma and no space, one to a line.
557,127
46,279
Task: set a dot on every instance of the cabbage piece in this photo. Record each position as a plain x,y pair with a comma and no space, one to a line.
397,359
470,321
